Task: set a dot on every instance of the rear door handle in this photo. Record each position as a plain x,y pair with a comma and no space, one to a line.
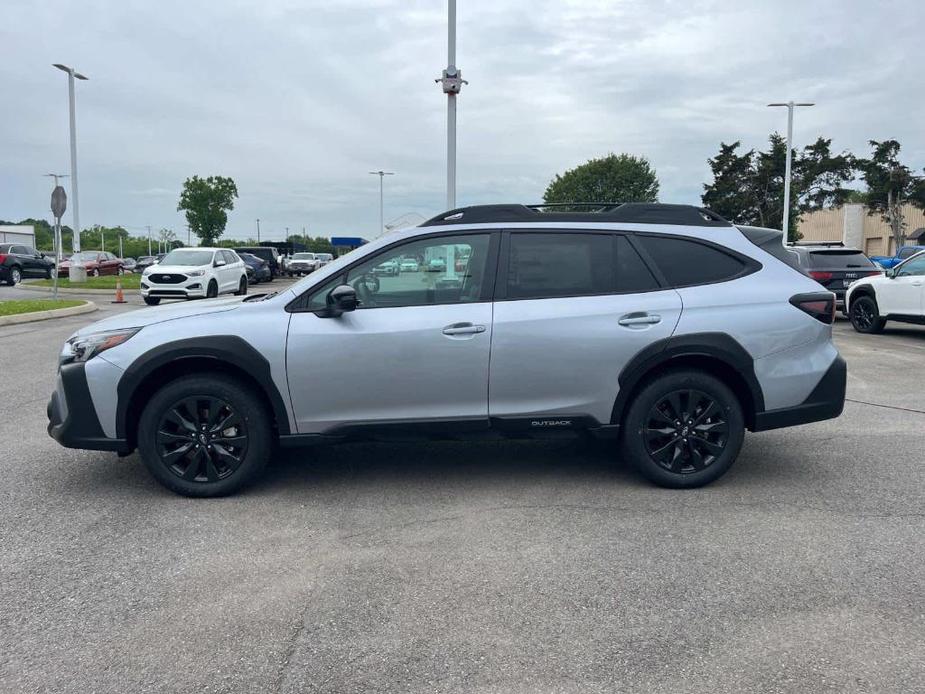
463,329
631,319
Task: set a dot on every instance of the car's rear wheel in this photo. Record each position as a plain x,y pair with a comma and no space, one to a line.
152,300
684,429
205,436
212,290
15,276
865,315
242,287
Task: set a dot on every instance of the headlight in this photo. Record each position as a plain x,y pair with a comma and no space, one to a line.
84,347
195,273
146,271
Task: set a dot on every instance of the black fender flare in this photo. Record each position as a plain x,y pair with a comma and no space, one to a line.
224,349
718,347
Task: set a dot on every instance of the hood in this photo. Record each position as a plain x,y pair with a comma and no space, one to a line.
160,268
159,314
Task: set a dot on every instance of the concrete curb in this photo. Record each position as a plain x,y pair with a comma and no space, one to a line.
49,290
86,307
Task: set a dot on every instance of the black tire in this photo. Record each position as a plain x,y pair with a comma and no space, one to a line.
15,276
49,273
95,272
242,287
171,437
121,271
212,290
865,316
679,454
152,300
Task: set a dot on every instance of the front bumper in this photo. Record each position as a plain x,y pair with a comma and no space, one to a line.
72,419
825,402
192,288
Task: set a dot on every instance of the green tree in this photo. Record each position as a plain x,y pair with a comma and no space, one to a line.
748,187
614,178
206,202
890,185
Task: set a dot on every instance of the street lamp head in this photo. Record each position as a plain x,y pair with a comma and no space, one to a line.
62,67
70,71
80,77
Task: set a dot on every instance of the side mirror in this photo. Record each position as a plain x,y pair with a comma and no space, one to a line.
219,263
340,300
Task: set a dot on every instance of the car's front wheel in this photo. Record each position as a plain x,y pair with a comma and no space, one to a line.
152,300
212,290
865,316
684,429
205,436
242,287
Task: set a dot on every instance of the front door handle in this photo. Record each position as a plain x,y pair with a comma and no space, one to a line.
463,329
631,319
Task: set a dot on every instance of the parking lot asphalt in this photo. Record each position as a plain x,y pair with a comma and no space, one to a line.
488,567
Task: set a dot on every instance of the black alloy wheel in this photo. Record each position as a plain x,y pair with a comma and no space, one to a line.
683,429
205,435
202,439
865,316
686,431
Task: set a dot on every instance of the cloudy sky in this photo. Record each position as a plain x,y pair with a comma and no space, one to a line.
297,100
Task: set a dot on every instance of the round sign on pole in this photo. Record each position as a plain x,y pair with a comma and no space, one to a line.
58,202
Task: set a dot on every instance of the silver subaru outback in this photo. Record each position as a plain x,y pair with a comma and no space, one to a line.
663,328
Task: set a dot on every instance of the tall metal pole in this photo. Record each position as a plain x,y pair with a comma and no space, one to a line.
149,239
452,83
79,274
381,174
258,232
787,166
75,205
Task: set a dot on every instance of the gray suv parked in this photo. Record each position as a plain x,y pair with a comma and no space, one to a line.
662,328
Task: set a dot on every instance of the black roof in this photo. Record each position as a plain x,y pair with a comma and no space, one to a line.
639,212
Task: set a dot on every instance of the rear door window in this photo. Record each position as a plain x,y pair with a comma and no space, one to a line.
685,263
542,266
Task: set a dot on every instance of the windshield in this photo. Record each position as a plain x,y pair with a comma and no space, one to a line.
187,257
325,256
303,256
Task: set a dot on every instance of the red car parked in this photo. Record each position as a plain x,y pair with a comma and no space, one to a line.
97,263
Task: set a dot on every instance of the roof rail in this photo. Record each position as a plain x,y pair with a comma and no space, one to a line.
638,212
797,244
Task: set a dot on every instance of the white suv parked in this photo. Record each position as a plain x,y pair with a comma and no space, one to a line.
898,294
194,273
662,328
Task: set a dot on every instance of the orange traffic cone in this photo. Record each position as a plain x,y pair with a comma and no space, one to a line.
120,297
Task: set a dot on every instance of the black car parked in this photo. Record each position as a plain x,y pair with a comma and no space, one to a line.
258,270
268,253
834,266
146,261
18,261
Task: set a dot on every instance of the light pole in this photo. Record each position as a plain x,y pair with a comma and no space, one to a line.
381,174
149,239
790,105
258,232
78,273
451,83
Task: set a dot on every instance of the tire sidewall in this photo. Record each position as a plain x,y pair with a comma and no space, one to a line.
245,402
15,276
634,423
212,290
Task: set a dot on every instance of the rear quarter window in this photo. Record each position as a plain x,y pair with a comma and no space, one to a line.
685,262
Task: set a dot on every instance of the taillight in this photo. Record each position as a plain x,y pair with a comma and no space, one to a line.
2,258
820,276
820,305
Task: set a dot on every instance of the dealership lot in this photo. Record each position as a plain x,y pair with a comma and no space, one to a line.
513,566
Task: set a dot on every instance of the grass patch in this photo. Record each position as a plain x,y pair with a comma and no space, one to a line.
14,307
107,282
